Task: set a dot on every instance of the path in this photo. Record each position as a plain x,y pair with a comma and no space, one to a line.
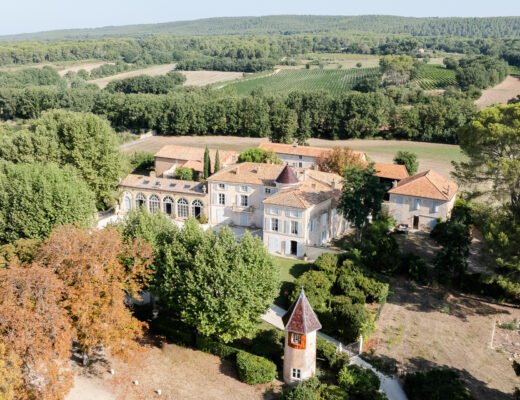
389,385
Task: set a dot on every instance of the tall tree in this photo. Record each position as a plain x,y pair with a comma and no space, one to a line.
212,282
99,271
35,327
216,167
207,164
338,159
34,198
284,122
408,159
259,155
492,143
362,196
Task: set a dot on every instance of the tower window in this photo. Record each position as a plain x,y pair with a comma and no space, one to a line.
296,339
297,373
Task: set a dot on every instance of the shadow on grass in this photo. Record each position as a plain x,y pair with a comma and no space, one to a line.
289,275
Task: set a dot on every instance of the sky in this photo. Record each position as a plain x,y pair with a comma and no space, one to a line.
21,16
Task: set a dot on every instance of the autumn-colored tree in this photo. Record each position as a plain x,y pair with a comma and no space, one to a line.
99,271
10,375
35,332
338,159
19,252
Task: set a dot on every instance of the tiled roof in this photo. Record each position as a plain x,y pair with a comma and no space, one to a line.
300,317
161,184
196,154
428,184
390,171
287,176
195,164
296,150
252,173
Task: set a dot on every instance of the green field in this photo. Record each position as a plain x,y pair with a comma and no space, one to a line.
435,77
290,270
334,81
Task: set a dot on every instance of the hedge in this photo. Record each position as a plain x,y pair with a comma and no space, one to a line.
216,348
255,370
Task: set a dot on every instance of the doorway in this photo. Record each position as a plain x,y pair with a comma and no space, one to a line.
416,222
294,247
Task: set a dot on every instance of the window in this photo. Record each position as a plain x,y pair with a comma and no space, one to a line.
155,203
140,200
300,165
399,200
182,208
145,182
324,219
275,224
300,157
296,339
186,186
435,206
243,188
222,199
297,373
221,186
294,213
244,200
274,211
127,203
168,206
173,185
267,190
158,184
314,224
197,208
417,204
294,227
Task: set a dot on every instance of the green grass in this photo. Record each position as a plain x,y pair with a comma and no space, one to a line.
514,70
290,270
435,77
287,80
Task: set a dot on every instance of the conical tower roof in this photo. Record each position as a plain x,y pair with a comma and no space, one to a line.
287,176
300,317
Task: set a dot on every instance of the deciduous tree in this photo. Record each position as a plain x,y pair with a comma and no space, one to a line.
99,271
35,332
408,159
338,159
259,156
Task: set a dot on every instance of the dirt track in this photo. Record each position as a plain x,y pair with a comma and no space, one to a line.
500,93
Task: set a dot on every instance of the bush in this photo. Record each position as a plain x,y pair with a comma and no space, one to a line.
303,391
415,268
268,343
317,286
255,370
353,320
332,392
326,350
436,384
185,174
328,263
356,380
259,156
216,348
203,219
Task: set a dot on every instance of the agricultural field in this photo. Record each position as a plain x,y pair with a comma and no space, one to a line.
500,93
435,76
334,81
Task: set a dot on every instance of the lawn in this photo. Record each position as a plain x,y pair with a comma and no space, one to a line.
290,270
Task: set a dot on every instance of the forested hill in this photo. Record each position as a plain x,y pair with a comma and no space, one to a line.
492,27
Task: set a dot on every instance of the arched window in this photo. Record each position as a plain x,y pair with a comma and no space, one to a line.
197,208
140,201
154,203
127,202
183,209
169,206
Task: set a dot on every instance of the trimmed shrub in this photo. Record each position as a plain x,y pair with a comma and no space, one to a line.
269,344
216,348
303,391
326,350
328,263
332,392
185,174
317,289
356,380
255,370
353,320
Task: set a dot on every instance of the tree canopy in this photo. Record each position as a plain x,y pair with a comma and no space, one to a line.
34,198
259,155
338,160
409,160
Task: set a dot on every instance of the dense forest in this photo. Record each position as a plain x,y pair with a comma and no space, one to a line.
492,27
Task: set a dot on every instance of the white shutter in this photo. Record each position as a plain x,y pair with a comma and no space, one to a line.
299,250
225,199
249,189
238,200
287,227
300,229
215,198
268,224
215,186
225,186
287,247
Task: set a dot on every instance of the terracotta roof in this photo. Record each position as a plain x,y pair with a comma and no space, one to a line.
296,150
428,184
300,317
391,171
195,164
300,198
252,173
196,154
287,176
161,184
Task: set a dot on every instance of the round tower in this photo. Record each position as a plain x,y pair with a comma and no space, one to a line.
301,324
286,178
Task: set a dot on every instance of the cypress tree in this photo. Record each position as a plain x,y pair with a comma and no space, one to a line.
216,167
207,164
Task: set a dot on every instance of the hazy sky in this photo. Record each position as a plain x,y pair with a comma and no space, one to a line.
20,16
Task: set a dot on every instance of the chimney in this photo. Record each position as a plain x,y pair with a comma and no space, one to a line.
333,185
394,184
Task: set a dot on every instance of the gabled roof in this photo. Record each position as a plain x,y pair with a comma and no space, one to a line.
296,150
287,176
390,171
300,317
161,184
428,184
189,153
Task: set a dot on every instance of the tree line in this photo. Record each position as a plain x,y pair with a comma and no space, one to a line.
297,116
